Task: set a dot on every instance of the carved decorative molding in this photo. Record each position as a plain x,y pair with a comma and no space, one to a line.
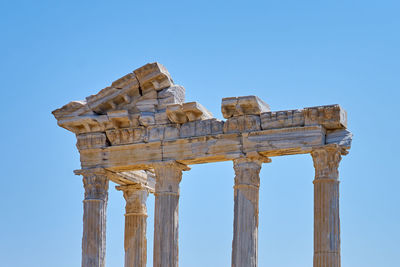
326,161
95,182
135,196
168,177
247,169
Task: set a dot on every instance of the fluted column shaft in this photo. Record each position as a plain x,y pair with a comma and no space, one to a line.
245,225
135,242
168,177
94,218
326,206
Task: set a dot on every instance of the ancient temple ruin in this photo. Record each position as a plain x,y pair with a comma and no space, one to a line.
141,134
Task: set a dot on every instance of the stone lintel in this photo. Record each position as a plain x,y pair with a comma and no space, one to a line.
213,148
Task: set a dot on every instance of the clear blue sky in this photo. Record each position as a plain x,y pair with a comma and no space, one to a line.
292,54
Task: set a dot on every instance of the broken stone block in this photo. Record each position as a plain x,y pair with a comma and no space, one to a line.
91,140
228,106
342,137
72,109
331,117
84,124
161,117
243,105
195,111
119,118
153,76
147,118
203,127
111,97
171,132
176,91
164,102
147,105
217,126
176,114
127,80
188,129
127,136
155,133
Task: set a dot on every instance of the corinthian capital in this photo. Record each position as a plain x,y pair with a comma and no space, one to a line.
168,176
326,161
135,196
95,182
247,169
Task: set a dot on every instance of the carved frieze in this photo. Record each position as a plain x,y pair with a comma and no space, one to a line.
245,123
331,117
282,119
127,135
91,140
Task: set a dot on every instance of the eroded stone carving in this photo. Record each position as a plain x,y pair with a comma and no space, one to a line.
326,161
139,133
243,105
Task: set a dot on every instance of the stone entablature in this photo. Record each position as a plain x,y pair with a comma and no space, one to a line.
141,134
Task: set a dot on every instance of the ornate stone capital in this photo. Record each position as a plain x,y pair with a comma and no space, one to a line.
326,161
135,196
168,176
95,182
247,169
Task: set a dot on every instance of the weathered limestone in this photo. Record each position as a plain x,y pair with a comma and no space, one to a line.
191,111
94,217
141,123
168,177
243,105
326,206
245,226
135,243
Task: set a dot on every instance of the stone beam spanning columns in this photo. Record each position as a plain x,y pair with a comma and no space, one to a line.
135,243
326,206
168,177
245,226
95,182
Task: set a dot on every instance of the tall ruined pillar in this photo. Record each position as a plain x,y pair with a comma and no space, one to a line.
245,225
326,206
95,182
135,242
168,177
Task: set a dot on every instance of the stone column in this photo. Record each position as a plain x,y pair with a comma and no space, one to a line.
135,243
245,225
94,217
326,206
168,177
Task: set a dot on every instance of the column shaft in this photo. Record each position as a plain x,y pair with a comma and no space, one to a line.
245,226
135,242
94,220
326,207
168,177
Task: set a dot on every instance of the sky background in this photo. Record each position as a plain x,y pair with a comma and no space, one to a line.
292,54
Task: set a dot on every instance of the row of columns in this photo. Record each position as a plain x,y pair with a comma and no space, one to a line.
246,206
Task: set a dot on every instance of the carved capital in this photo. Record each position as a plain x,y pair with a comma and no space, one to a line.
135,196
326,161
95,182
168,176
247,169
